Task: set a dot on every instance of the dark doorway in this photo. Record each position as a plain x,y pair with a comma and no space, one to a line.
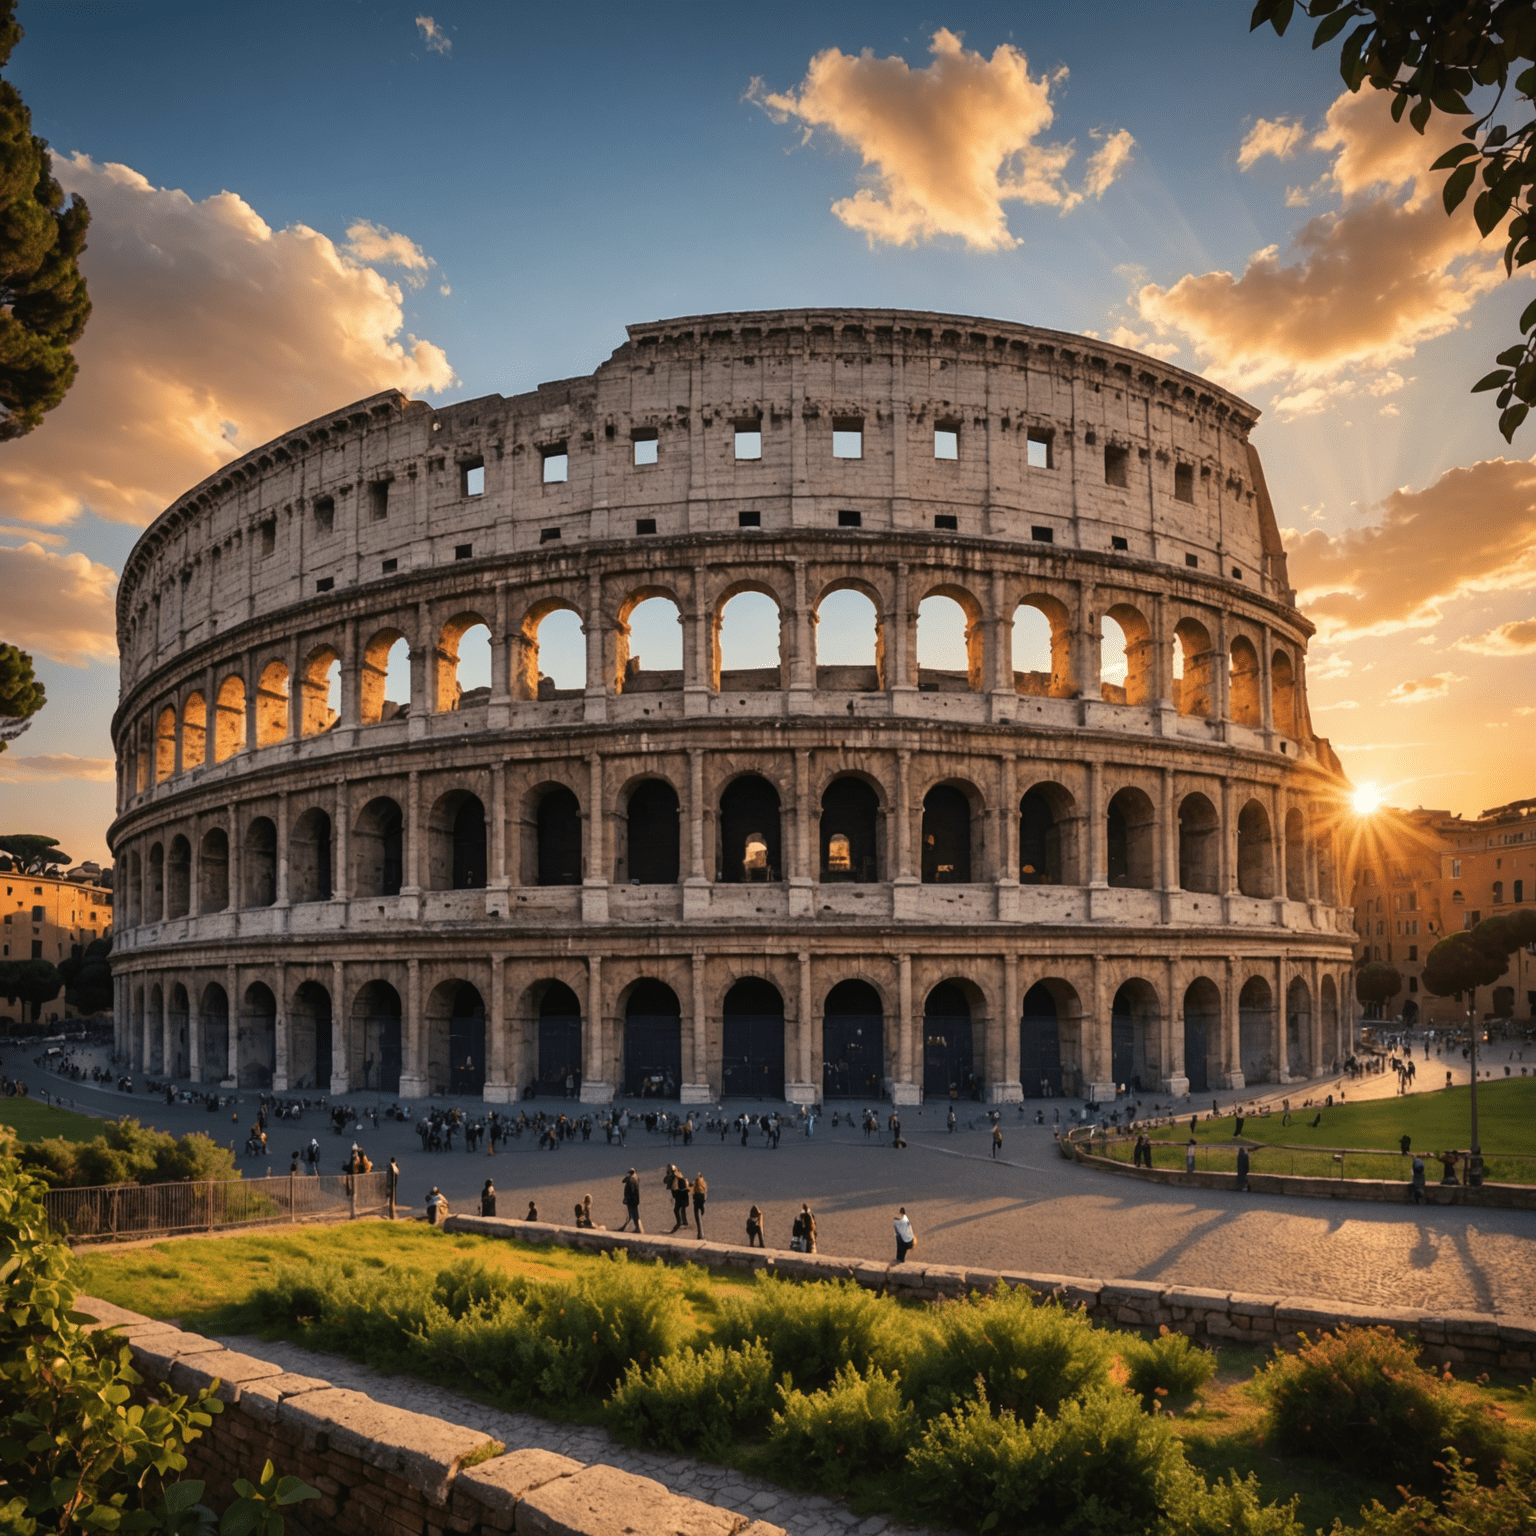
753,1028
559,1038
1130,839
469,845
850,813
1122,1039
559,829
1202,1029
749,831
853,1043
214,1026
1039,841
466,1042
653,1042
947,1060
376,1035
1040,1045
309,1033
652,854
946,836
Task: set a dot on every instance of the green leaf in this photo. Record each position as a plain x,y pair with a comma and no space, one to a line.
1491,380
1452,156
294,1490
1331,26
1276,12
1509,422
180,1496
242,1518
1456,187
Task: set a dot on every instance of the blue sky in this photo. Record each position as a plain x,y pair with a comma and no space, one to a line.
556,172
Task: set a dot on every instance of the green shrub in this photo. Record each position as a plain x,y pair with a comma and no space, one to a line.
1467,1508
815,1329
1232,1506
1099,1464
1167,1366
1360,1395
858,1426
128,1153
696,1402
1028,1355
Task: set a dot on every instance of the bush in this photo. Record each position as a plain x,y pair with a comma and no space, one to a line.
128,1153
1099,1464
696,1402
1229,1507
1468,1508
815,1329
1167,1366
1360,1395
1029,1356
858,1426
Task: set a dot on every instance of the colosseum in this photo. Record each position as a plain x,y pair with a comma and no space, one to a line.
971,754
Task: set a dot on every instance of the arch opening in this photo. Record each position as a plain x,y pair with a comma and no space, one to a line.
1202,1034
1255,852
653,1041
559,1041
850,642
272,705
259,856
1125,656
378,849
946,836
948,1059
154,893
257,1037
1199,845
1194,670
1298,1028
319,692
385,684
229,719
309,1038
749,832
194,732
850,831
178,1011
374,1039
853,1043
652,825
1282,694
165,745
1246,706
557,837
649,657
949,645
1256,1030
213,1027
178,877
309,857
1042,649
463,663
456,1039
1135,1060
554,653
1040,1056
1132,839
1295,855
1332,1044
1047,855
748,645
752,1028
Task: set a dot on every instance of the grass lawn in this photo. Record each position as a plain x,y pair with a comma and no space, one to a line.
1506,1116
33,1121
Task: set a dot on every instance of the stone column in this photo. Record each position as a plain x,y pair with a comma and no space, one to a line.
594,885
1011,1089
497,1089
413,837
802,665
801,1086
413,1079
282,849
901,675
1086,641
236,863
232,1047
1231,1030
903,813
1175,1078
501,653
696,888
280,1031
1266,686
698,681
1277,843
341,865
597,1086
802,871
1098,828
599,635
1098,1038
903,1089
341,1035
695,1087
194,1031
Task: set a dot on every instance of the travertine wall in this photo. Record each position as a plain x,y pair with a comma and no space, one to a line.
1049,875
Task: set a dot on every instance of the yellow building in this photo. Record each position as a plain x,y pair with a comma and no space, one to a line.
52,918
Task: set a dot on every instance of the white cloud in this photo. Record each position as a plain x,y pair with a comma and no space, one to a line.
50,767
946,146
1280,137
212,333
1473,530
58,606
1318,709
433,36
1324,669
374,245
1417,690
1517,638
1372,280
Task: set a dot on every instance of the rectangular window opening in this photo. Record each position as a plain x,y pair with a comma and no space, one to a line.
378,500
472,478
1042,535
1237,573
1192,561
391,566
325,514
646,445
645,525
749,519
1039,448
946,520
1184,482
269,536
557,464
1119,541
847,437
749,440
946,442
548,534
463,551
326,584
1115,462
849,519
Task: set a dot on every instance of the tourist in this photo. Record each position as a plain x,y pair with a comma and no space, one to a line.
755,1228
802,1235
997,1138
437,1207
631,1199
488,1199
1189,1156
584,1212
533,1211
906,1239
679,1188
700,1193
951,1119
1242,1168
1416,1184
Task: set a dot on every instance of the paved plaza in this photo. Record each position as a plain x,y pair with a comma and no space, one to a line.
1029,1209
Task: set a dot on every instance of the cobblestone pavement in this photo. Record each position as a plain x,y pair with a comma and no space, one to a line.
801,1514
1028,1210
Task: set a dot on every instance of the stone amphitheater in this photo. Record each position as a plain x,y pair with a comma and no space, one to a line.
1048,817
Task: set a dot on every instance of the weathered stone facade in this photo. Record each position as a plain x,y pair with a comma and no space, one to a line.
787,881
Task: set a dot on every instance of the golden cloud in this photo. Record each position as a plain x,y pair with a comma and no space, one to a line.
212,333
948,145
61,606
1473,530
433,36
1371,280
1418,689
1280,137
1517,638
376,246
51,767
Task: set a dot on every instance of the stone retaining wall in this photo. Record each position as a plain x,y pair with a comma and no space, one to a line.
383,1471
1208,1316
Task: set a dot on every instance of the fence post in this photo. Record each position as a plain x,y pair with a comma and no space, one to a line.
292,1203
352,1191
391,1180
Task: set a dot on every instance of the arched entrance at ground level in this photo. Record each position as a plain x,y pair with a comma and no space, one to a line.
176,1017
214,1030
1040,1045
1298,1027
653,1042
374,1036
947,1058
154,1031
1333,1047
1256,1030
753,1030
1134,1057
455,1039
309,1038
559,1040
257,1038
853,1043
1410,1013
1202,1033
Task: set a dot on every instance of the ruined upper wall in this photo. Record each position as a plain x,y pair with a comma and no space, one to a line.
381,486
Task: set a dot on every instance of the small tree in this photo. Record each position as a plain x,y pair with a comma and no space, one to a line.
21,695
1376,984
88,980
34,854
30,981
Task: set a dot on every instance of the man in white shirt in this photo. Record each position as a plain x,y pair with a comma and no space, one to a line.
905,1237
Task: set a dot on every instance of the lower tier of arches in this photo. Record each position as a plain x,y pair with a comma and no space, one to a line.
744,1021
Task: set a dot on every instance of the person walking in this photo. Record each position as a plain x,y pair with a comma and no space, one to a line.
755,1228
632,1201
700,1192
1242,1168
997,1138
802,1235
680,1190
1416,1184
1189,1155
951,1119
906,1238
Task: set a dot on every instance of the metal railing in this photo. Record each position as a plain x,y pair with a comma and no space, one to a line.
111,1211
